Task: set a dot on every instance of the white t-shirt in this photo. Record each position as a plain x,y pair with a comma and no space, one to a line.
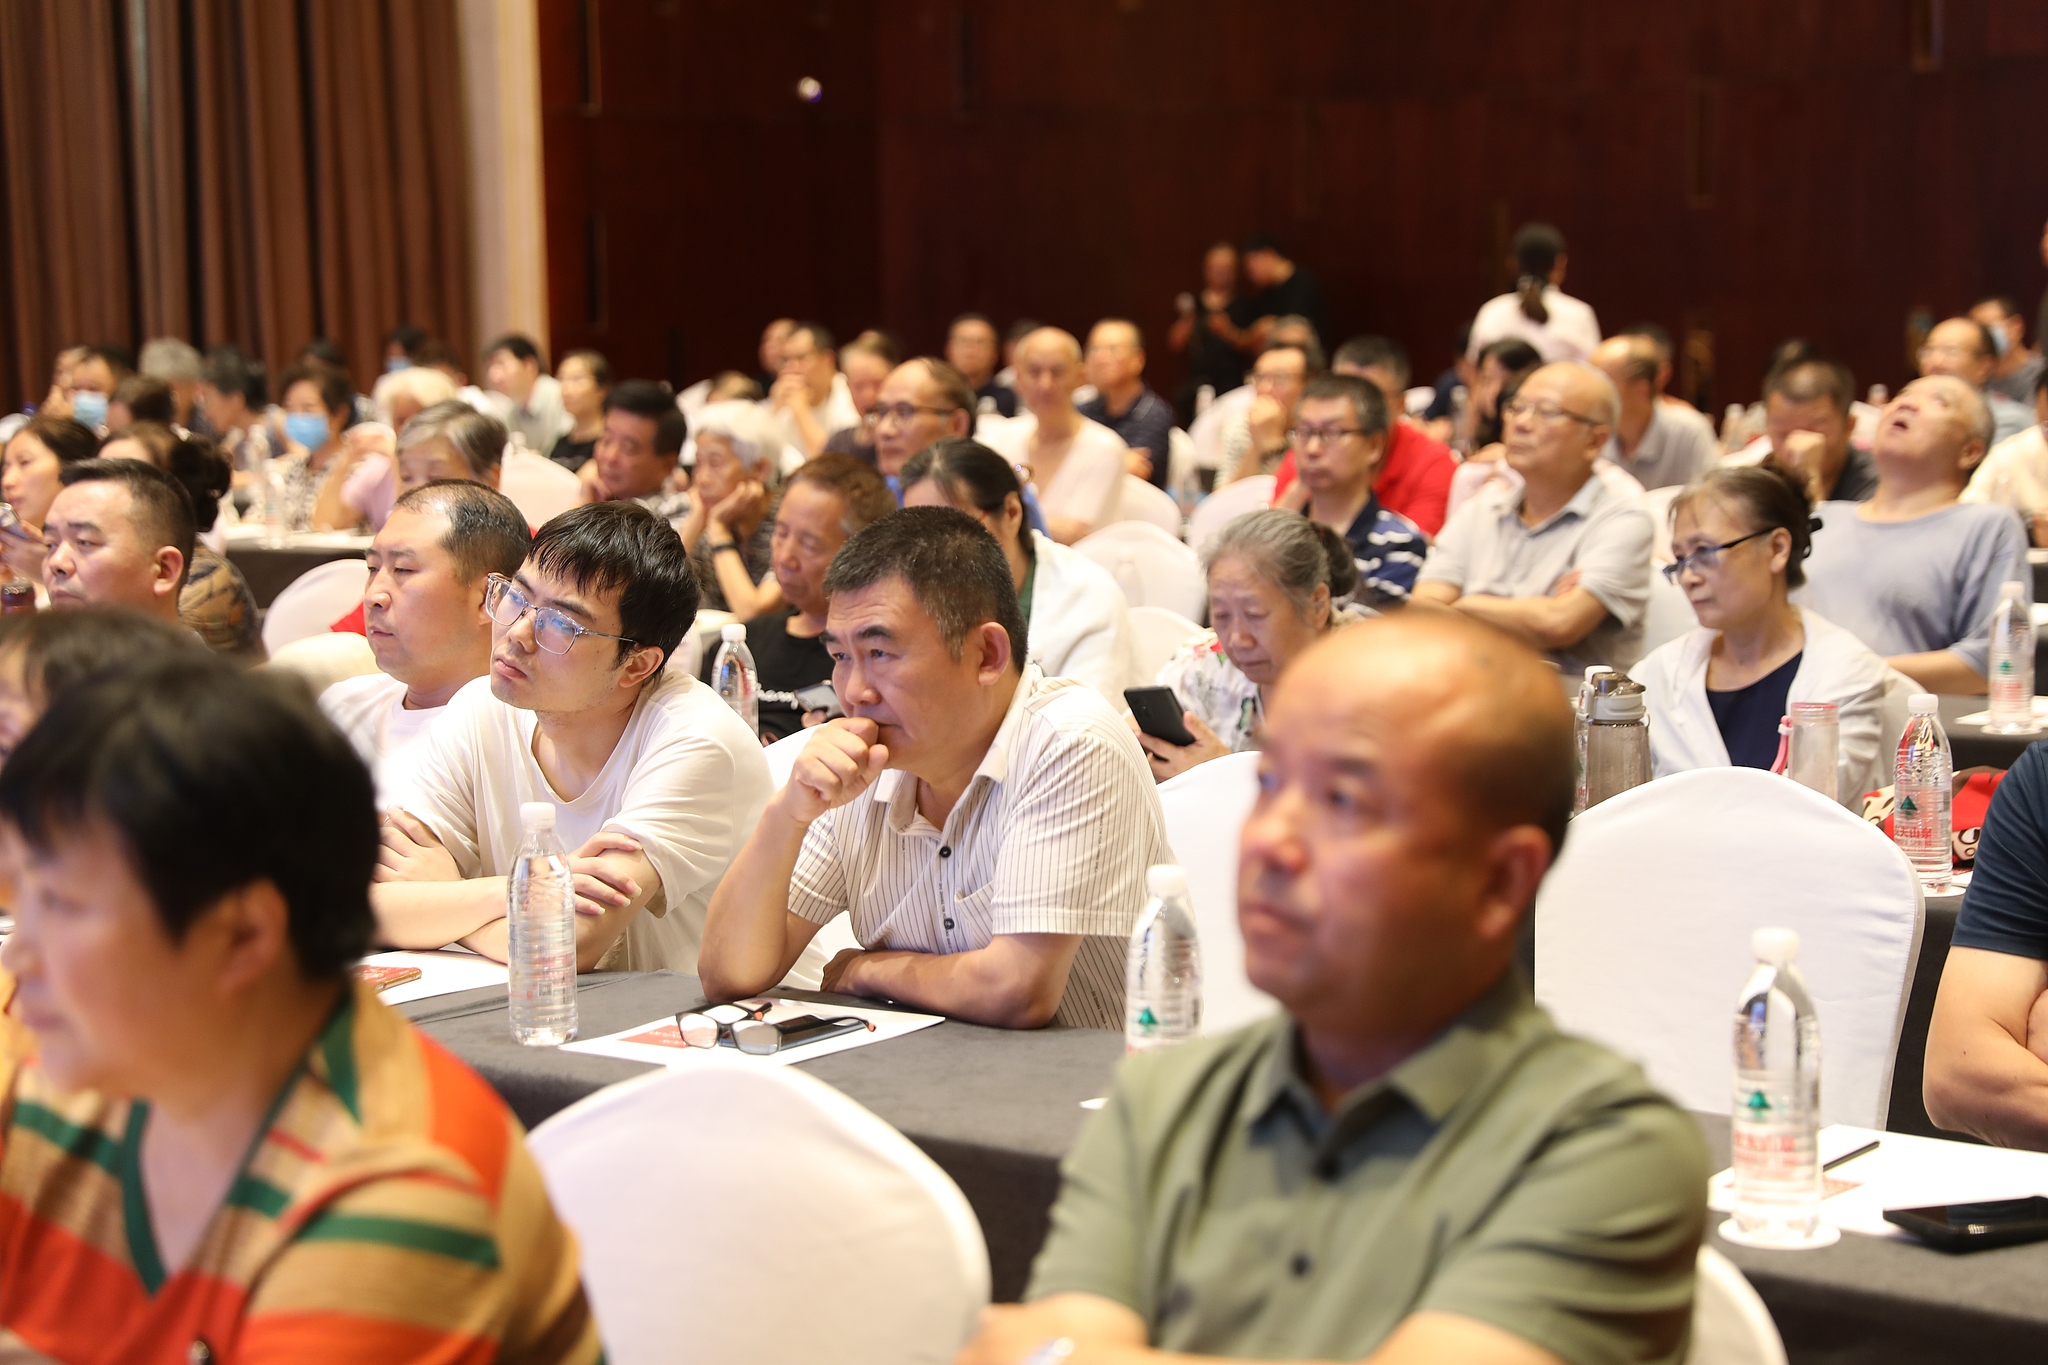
686,779
1572,333
836,413
371,711
1090,480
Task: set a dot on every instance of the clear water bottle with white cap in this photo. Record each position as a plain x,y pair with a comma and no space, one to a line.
540,919
733,675
1775,1120
1922,789
1617,736
2012,661
1163,973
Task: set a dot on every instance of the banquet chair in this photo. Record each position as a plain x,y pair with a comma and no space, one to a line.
699,643
1206,431
835,937
1730,1325
1180,462
1225,505
541,489
1160,634
1898,711
1205,809
1153,568
1669,613
1142,502
735,1211
325,659
311,603
1643,930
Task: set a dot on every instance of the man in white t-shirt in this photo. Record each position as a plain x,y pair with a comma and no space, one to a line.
423,613
811,399
523,395
655,781
1077,465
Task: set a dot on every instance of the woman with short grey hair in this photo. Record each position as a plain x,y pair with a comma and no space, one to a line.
731,519
451,440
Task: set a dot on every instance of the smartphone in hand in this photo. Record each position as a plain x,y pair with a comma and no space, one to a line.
1158,713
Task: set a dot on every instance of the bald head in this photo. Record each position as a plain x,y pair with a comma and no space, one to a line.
1048,365
1934,431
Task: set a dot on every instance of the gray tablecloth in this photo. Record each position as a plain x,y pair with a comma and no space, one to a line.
270,571
997,1109
1974,746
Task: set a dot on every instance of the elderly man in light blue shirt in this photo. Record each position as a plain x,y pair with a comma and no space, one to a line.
1660,444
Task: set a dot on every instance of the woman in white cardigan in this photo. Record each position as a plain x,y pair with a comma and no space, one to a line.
1075,617
1717,694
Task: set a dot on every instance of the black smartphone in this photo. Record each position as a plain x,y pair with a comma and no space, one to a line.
819,697
1158,713
761,1037
1971,1227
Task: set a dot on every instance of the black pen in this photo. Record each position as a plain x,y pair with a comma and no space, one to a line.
1847,1157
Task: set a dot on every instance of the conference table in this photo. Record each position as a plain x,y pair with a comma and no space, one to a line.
1971,744
998,1109
270,568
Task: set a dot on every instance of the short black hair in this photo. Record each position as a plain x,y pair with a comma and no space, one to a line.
324,351
622,547
821,335
950,563
205,475
213,779
406,337
1512,354
71,441
229,371
486,532
1375,352
1368,404
337,390
645,398
62,650
600,368
147,398
519,345
163,509
1815,378
119,358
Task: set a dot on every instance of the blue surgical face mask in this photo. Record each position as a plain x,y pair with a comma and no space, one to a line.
89,407
309,429
395,363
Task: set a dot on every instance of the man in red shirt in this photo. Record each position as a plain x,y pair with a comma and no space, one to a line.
1415,480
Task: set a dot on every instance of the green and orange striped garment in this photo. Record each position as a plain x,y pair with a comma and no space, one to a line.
389,1212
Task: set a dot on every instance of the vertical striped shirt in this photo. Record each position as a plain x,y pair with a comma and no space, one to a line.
1052,836
388,1211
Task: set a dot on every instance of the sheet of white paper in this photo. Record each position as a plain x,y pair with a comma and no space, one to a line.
1984,717
658,1044
442,972
1906,1172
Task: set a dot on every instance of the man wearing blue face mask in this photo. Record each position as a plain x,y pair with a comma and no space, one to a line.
92,383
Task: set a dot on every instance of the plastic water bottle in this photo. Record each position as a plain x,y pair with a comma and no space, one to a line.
1163,974
733,675
1775,1122
1923,790
541,918
2012,661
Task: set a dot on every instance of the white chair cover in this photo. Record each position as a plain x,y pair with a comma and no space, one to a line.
1152,568
311,603
325,659
1142,502
541,489
1669,613
1225,505
1416,399
730,1212
1657,502
1898,711
1730,1325
1159,634
1643,929
1206,431
1205,809
1180,461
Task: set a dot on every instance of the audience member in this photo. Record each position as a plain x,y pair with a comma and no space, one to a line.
149,442
92,378
1499,370
215,602
400,344
401,395
233,396
1033,794
2018,371
32,466
2015,473
1277,584
637,454
448,441
325,351
973,348
1963,349
525,397
1077,465
1076,616
1115,364
1207,331
1739,539
655,780
1341,437
1660,340
585,377
769,354
1021,328
824,502
1559,326
45,655
1410,1162
119,532
922,401
318,404
1285,289
1256,442
177,365
1911,571
866,364
810,398
57,402
1659,444
424,616
1808,424
730,527
1415,474
195,847
1561,562
139,398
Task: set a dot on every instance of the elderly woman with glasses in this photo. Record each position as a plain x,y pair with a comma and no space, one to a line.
1717,694
730,528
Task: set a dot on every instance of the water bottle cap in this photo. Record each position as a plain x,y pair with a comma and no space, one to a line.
537,814
1618,706
1924,704
1166,879
732,632
1775,946
2012,587
1594,670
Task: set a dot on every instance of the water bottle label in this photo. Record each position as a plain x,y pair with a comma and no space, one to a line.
1769,1136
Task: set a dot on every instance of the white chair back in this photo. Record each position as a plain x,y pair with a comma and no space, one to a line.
311,603
1730,1325
1225,505
1898,711
541,489
1416,399
1643,930
699,642
1206,431
1152,568
1205,809
1669,613
1142,502
1180,461
1159,633
742,1175
325,659
781,756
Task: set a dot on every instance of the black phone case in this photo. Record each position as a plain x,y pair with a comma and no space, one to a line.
1158,713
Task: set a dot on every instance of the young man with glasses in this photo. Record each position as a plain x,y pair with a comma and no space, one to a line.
655,781
1340,441
1563,562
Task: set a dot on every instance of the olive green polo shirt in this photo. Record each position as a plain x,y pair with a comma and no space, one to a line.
1505,1173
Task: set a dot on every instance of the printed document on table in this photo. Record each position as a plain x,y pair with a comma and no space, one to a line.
443,971
658,1043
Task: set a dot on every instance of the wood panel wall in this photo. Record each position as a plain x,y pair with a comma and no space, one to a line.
1738,170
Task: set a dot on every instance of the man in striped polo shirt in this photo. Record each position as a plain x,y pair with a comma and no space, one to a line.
214,1143
987,828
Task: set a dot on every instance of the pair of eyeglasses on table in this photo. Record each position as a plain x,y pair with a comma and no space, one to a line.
745,1025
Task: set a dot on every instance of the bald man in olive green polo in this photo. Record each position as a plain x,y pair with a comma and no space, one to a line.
1411,1164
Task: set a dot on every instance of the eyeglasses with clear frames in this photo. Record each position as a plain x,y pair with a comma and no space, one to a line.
553,631
1707,558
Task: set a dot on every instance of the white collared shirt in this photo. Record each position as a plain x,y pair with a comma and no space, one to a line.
1052,836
